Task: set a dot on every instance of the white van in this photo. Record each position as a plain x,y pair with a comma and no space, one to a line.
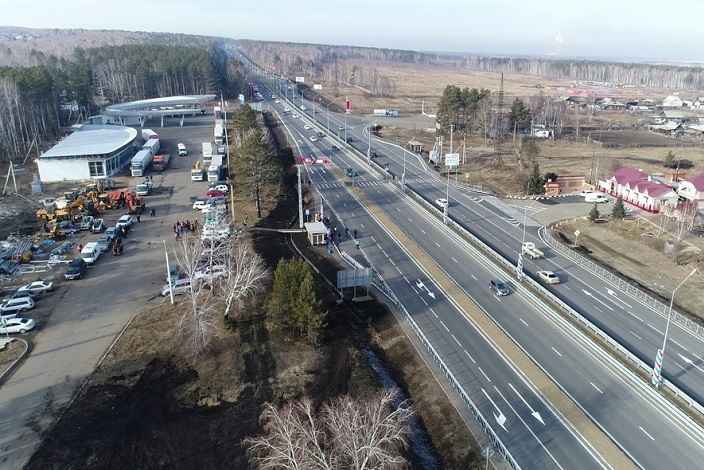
91,252
182,150
595,197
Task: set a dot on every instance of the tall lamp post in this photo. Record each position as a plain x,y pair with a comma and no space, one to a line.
660,358
168,273
345,128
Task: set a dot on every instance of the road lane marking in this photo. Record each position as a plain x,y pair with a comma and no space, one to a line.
426,304
385,253
453,259
372,238
646,433
474,277
437,244
651,326
406,279
409,219
422,231
487,377
526,324
436,315
597,388
634,315
392,262
556,351
597,308
678,365
399,271
470,357
443,324
678,344
636,335
361,225
457,341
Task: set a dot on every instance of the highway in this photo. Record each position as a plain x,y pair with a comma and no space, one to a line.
626,412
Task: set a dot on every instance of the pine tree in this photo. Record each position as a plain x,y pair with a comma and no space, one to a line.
594,214
535,181
619,210
669,159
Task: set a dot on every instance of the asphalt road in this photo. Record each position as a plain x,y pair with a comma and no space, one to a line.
87,314
623,410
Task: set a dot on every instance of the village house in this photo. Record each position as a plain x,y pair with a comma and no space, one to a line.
639,189
692,189
672,101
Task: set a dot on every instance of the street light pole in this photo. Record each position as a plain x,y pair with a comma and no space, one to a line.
168,273
659,360
345,128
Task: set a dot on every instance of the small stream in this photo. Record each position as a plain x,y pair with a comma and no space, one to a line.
420,442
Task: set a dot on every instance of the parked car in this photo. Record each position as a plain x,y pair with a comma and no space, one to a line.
372,154
112,233
98,226
16,325
124,221
334,148
549,277
104,242
213,184
182,286
224,188
38,286
19,304
303,108
306,127
216,271
596,198
584,192
199,205
214,193
76,269
34,295
216,200
498,286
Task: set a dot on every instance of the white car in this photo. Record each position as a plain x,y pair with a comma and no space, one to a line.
199,205
37,286
216,271
303,108
584,192
20,304
222,188
124,221
313,138
442,202
182,286
16,325
549,277
306,127
287,109
294,115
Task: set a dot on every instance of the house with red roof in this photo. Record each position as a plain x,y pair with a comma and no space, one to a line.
638,188
692,189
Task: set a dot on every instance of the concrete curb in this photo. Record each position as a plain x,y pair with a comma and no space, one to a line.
7,372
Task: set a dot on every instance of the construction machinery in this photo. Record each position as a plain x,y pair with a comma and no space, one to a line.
134,203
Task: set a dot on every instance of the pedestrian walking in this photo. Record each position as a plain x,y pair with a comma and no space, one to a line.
173,226
347,232
139,218
355,233
152,213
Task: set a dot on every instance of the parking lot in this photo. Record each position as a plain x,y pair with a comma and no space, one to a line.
77,322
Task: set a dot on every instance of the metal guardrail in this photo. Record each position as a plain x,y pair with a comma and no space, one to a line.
498,445
624,285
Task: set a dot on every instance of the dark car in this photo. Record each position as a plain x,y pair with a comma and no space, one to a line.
373,154
334,148
349,172
76,269
34,295
349,139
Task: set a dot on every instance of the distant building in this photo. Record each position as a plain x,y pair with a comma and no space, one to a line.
692,189
638,188
672,101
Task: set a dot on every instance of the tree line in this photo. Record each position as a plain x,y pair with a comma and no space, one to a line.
35,102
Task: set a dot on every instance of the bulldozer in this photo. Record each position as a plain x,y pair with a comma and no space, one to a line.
111,200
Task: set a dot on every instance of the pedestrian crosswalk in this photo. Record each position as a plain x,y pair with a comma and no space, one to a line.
356,183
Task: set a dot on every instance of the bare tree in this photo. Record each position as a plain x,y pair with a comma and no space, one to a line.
198,321
363,434
246,274
684,216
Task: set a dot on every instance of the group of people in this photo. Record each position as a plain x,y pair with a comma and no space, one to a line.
180,227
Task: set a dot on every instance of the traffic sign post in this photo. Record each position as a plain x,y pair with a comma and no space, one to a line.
576,234
519,268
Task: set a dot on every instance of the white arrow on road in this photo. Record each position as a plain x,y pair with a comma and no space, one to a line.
501,419
613,294
690,362
589,294
533,413
422,286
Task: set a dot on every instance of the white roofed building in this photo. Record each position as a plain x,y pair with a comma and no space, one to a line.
92,151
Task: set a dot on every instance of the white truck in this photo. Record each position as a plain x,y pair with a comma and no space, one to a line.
529,249
207,150
140,162
148,134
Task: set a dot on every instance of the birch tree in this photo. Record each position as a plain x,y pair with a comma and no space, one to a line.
246,275
345,433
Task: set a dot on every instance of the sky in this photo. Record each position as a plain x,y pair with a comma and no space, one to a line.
620,29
